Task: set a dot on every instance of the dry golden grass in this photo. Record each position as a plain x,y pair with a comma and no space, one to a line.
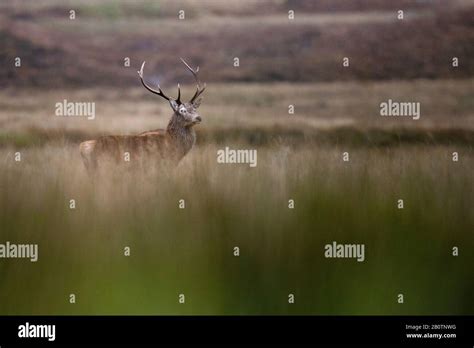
445,104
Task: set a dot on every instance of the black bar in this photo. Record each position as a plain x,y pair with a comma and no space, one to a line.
241,329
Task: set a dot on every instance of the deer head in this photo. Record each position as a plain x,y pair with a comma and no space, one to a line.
185,113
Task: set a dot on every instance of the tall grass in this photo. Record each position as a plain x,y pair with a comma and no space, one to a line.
190,250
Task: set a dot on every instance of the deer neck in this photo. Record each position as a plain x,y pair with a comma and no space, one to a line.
181,135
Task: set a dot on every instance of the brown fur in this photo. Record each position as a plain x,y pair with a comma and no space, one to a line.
171,144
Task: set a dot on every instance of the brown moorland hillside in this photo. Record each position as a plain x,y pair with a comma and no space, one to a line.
90,50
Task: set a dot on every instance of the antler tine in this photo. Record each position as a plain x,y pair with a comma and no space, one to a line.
194,72
200,88
159,91
178,100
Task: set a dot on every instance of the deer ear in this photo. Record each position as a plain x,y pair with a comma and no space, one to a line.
174,105
197,103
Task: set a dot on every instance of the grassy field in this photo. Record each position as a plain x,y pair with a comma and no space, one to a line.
332,113
190,251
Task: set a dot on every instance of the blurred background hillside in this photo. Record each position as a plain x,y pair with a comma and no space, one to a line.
57,51
282,62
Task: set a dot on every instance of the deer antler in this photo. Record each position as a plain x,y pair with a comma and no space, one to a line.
159,91
200,88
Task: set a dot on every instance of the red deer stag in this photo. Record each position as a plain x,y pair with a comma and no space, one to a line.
170,144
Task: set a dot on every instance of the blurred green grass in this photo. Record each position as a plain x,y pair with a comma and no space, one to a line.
190,251
271,135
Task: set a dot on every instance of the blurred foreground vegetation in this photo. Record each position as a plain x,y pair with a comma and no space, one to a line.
190,250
